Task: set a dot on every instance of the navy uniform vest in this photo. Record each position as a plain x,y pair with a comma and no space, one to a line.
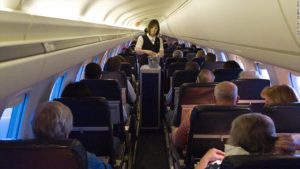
147,45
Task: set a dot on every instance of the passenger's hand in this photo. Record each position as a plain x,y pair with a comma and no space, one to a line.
285,144
212,155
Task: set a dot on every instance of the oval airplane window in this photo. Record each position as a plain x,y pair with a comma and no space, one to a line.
11,119
96,60
223,57
262,70
79,74
57,88
295,82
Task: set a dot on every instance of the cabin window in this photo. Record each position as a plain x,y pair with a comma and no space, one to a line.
223,57
96,60
57,88
205,51
79,74
262,70
212,51
295,82
241,64
11,119
111,54
104,60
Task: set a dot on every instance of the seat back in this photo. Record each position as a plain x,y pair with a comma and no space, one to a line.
92,124
169,61
45,154
212,65
261,162
175,66
179,77
127,68
210,126
198,60
192,94
111,90
286,117
130,59
250,89
226,74
184,76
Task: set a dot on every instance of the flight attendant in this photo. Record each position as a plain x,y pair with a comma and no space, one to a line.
150,43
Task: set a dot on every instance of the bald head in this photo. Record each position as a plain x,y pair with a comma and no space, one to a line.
226,93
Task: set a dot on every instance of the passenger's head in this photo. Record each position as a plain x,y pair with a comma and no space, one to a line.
92,71
121,58
192,66
77,89
113,65
210,57
177,54
153,27
52,120
231,64
205,76
279,94
226,93
249,74
200,54
253,132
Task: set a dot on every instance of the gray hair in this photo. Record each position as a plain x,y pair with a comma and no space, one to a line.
52,120
177,54
205,76
226,92
254,132
249,74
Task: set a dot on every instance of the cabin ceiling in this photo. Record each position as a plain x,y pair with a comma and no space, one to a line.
263,30
125,13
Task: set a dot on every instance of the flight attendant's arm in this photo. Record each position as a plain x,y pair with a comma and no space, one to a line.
161,48
139,45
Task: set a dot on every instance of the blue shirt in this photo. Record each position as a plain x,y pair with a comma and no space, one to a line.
95,163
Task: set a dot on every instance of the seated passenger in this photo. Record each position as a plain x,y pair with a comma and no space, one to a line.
54,120
177,54
225,93
205,76
200,53
249,74
93,71
114,65
192,66
279,94
251,133
77,89
210,57
231,64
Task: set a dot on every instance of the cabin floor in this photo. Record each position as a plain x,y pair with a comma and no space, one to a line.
151,150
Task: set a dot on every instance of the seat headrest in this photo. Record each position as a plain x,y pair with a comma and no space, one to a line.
184,76
286,117
187,85
85,108
119,76
261,162
250,89
46,154
110,89
210,108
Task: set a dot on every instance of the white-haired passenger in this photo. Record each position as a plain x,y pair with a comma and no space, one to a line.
249,74
54,120
251,133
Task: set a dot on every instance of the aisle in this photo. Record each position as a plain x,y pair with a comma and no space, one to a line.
151,150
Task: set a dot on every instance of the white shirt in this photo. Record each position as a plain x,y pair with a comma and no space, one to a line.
140,42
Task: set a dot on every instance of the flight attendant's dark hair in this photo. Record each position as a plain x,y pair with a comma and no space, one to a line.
151,25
